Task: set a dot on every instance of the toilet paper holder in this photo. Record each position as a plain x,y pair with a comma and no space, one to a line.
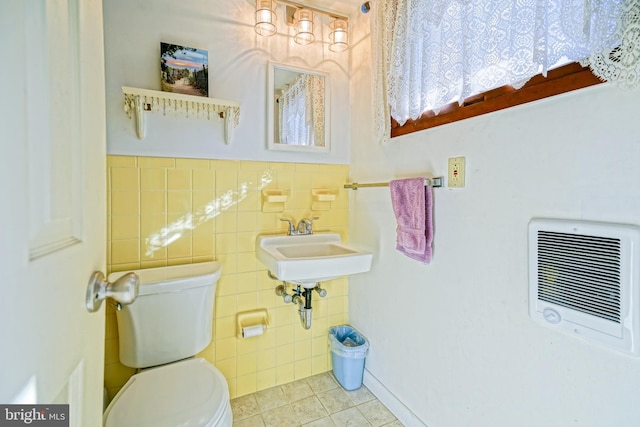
252,323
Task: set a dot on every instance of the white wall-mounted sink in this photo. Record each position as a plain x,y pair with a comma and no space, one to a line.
312,258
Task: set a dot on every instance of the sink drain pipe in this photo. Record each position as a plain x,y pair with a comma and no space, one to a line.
304,309
300,297
303,299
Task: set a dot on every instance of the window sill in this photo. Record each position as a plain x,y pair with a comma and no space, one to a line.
560,80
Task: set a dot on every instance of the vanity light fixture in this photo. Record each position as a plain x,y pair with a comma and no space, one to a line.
265,17
301,18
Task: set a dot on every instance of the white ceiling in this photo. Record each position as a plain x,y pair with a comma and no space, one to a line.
342,7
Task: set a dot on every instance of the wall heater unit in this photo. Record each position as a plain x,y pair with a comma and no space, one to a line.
583,280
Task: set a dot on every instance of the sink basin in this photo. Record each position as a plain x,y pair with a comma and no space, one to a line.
308,259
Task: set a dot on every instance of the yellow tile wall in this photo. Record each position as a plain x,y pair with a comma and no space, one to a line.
168,211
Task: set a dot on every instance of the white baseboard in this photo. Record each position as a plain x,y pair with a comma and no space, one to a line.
397,408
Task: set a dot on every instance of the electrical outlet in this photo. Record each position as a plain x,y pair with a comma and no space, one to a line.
456,172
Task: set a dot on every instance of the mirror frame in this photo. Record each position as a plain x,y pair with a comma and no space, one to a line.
272,144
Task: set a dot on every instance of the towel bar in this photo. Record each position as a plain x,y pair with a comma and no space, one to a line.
434,182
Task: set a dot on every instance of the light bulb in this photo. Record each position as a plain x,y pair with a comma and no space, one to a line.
339,35
304,27
265,17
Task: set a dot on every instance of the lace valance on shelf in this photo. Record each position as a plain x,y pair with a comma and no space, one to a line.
138,101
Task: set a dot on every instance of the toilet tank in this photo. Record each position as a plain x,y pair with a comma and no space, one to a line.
171,319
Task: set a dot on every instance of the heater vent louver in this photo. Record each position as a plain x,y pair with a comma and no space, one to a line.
580,272
583,280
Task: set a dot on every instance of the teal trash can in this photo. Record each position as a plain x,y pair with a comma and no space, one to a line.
349,350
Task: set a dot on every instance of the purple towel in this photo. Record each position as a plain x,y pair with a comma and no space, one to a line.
412,205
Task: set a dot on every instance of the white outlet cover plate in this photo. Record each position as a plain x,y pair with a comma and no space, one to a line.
456,172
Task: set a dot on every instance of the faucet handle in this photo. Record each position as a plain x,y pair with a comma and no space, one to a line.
305,226
310,221
292,227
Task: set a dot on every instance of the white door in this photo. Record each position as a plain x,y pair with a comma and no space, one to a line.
53,204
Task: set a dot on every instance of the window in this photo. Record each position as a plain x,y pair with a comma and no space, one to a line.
460,59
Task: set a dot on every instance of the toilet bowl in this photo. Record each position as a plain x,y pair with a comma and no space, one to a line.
187,393
160,332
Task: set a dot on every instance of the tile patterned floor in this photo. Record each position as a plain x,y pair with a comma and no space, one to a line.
317,401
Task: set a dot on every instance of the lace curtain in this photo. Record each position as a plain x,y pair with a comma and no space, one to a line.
301,112
429,53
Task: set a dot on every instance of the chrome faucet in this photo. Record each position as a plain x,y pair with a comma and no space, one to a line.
305,226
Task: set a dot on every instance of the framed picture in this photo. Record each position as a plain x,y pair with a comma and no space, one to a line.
184,69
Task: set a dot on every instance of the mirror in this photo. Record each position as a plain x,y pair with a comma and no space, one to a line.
298,109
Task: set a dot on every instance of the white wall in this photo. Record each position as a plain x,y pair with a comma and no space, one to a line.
453,340
237,71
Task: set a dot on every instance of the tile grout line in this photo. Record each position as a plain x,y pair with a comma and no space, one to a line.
248,410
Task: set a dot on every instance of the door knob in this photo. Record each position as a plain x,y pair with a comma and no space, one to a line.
124,290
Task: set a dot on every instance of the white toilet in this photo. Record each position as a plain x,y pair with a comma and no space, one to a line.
168,323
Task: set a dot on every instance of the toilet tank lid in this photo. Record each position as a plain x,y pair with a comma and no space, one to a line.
188,393
175,278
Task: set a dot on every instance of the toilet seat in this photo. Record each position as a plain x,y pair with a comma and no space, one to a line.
190,393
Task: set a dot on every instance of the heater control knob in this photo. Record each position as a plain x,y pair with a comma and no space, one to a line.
551,316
